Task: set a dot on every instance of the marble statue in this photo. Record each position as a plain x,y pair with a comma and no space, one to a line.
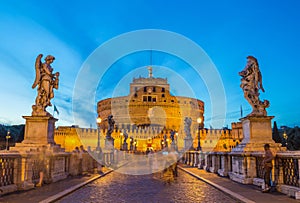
172,134
111,125
45,81
251,83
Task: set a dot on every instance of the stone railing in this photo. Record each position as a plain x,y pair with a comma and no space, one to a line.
78,166
247,168
21,171
9,168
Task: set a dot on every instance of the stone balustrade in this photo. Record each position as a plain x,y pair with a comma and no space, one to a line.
20,172
9,170
247,168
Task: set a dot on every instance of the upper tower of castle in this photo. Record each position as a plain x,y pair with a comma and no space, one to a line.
150,81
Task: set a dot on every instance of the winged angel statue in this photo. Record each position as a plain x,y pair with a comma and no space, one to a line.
45,81
251,83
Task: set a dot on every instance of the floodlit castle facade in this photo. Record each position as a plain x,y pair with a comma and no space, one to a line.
148,114
151,104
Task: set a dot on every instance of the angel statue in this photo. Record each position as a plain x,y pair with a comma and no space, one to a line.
111,126
45,81
251,83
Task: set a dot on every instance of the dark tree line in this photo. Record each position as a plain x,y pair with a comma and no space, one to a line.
16,134
288,137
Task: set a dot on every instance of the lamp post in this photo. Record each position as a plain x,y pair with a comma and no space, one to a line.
176,144
200,126
285,138
7,137
98,148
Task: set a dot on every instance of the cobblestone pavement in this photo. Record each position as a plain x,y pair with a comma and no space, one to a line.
116,187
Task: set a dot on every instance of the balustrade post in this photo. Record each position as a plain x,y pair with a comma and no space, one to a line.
192,159
196,164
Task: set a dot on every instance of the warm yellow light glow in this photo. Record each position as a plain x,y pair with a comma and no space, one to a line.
199,120
99,120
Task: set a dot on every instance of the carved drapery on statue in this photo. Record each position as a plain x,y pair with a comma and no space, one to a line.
251,83
45,81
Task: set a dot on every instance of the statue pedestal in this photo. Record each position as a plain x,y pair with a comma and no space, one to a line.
39,131
257,131
125,146
173,146
188,142
109,143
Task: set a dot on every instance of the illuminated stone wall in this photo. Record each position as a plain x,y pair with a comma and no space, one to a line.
150,103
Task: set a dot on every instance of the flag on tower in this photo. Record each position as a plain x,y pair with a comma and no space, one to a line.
55,110
241,109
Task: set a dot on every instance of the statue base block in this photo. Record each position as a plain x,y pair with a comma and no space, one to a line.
39,131
125,146
173,146
188,143
109,143
257,131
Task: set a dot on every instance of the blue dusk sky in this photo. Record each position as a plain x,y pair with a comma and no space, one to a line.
226,31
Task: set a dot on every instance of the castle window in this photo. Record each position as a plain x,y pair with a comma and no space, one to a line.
154,89
135,95
144,98
163,89
154,99
172,101
163,95
145,89
149,98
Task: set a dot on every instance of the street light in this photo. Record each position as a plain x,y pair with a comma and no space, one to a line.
7,137
98,149
285,137
200,126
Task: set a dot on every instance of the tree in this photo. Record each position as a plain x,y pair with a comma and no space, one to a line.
275,134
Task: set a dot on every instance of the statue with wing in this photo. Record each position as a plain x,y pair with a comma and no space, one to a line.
251,83
45,81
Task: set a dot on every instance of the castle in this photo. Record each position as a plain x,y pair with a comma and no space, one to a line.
148,115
